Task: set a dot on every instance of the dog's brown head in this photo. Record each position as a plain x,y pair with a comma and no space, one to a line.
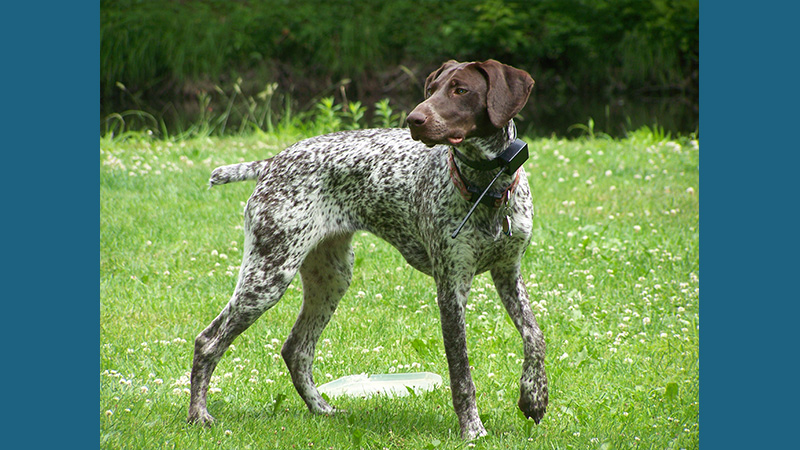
464,100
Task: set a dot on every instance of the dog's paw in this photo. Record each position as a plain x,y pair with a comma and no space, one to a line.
217,177
330,411
533,395
534,406
472,431
322,408
200,418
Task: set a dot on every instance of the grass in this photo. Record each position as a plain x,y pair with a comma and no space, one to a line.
613,272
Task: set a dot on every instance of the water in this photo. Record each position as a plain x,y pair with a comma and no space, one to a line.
545,115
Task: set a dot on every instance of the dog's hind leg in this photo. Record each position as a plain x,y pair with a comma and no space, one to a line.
326,274
266,272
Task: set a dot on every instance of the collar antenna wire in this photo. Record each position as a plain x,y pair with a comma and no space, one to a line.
510,160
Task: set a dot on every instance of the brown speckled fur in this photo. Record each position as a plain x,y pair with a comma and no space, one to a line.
310,199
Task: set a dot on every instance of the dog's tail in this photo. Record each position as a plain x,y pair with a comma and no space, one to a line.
237,172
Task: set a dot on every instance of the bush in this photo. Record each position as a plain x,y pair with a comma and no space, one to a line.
154,52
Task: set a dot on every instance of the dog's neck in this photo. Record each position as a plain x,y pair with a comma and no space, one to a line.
488,147
482,150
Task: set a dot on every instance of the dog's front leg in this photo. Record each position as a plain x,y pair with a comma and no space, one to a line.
453,292
533,383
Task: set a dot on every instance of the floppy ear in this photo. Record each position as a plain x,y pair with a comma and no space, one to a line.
509,89
435,74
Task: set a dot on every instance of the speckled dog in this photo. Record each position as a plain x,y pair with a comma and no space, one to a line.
411,188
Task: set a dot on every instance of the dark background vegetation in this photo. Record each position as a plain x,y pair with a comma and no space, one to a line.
622,63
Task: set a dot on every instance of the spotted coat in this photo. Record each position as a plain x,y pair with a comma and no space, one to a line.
312,197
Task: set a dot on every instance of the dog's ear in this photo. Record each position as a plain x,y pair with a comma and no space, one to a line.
435,74
509,89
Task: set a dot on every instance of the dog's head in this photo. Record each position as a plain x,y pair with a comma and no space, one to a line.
472,99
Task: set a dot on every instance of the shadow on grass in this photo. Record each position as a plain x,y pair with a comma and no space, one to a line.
429,414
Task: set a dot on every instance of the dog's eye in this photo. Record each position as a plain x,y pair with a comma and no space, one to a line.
460,91
428,92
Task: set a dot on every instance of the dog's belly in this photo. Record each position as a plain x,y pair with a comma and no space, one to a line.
415,254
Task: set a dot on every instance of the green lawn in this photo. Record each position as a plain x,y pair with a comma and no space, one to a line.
613,273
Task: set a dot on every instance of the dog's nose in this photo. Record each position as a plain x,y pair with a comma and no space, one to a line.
416,118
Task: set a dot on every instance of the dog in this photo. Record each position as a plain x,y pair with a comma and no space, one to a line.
411,187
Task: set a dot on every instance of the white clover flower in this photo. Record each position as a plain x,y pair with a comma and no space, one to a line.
109,413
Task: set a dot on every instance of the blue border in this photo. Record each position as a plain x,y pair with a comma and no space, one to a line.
748,98
50,128
749,126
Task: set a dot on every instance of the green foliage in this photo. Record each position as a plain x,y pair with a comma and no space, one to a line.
178,49
385,117
328,118
254,114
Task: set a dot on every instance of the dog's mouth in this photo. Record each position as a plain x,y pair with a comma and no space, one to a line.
431,142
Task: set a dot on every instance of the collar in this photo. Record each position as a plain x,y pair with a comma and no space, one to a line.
471,192
509,140
481,165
